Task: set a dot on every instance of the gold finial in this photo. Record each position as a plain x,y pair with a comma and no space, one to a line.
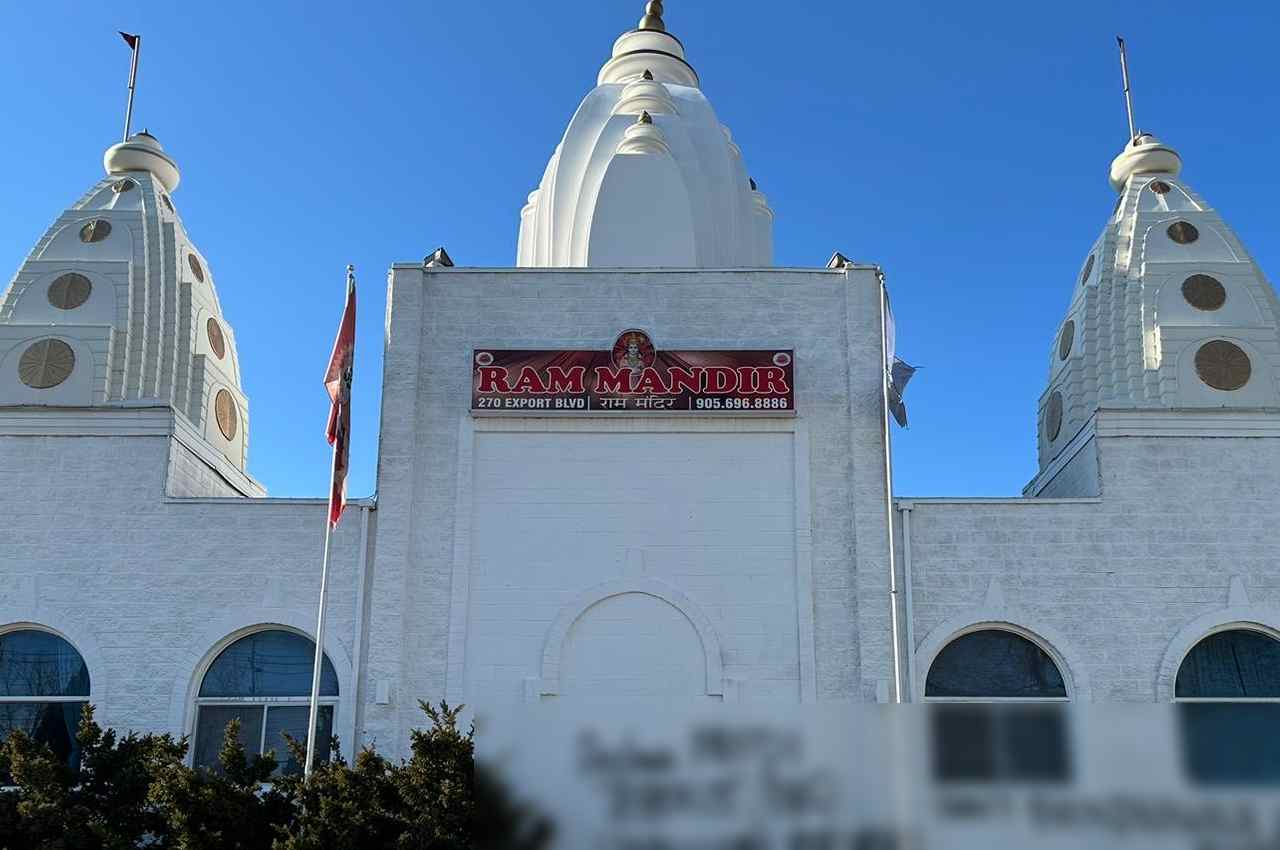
652,19
645,118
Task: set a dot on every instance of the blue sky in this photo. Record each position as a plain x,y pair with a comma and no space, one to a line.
964,147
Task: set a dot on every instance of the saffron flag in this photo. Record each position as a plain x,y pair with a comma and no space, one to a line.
129,39
337,380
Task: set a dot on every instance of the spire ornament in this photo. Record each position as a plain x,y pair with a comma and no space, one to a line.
652,19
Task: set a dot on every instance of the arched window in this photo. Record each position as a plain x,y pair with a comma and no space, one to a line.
1021,740
1229,690
264,680
44,687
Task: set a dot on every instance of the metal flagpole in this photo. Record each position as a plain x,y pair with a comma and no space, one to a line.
314,717
888,487
1128,98
133,78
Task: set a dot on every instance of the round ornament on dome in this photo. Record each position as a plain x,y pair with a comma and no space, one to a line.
217,343
95,231
1204,292
1183,232
69,291
46,364
1088,269
1223,365
1066,339
224,411
197,270
1053,416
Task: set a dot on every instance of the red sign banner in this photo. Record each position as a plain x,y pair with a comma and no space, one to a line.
633,376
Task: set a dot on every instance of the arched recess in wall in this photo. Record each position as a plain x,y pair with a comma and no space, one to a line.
1227,686
45,684
1054,644
204,647
999,691
554,648
1248,617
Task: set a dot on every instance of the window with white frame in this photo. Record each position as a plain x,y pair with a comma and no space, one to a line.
264,681
44,688
1000,716
1228,690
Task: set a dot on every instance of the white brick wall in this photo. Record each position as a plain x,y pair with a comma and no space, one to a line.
147,586
1115,581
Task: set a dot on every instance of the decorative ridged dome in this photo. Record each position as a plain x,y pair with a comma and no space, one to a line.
668,192
115,306
1168,312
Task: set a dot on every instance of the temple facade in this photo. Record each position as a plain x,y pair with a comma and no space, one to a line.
643,464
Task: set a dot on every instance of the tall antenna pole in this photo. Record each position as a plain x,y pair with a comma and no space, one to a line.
135,44
1128,98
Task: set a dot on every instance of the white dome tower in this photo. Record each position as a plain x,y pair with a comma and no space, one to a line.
1169,316
115,308
646,175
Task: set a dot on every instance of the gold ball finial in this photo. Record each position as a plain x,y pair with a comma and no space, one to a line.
652,19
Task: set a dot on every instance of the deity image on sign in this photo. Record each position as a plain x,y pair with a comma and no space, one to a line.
634,351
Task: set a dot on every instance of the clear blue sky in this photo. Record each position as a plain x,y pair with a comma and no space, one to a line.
964,147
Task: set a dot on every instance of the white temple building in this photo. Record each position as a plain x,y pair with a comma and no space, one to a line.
616,472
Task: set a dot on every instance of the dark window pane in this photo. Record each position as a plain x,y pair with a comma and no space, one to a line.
1229,743
267,664
963,743
211,725
293,719
994,663
50,723
1034,742
1232,664
35,663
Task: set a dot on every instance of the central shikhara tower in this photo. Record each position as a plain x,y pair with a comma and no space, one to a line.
646,176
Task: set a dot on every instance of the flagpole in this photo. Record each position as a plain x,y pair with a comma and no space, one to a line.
314,716
888,489
133,78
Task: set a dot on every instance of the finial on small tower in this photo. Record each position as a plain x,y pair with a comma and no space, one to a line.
1128,98
652,19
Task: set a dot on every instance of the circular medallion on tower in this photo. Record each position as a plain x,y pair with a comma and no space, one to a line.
217,343
224,411
1204,292
197,270
46,364
1066,339
69,291
1223,365
95,231
1053,417
1183,232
